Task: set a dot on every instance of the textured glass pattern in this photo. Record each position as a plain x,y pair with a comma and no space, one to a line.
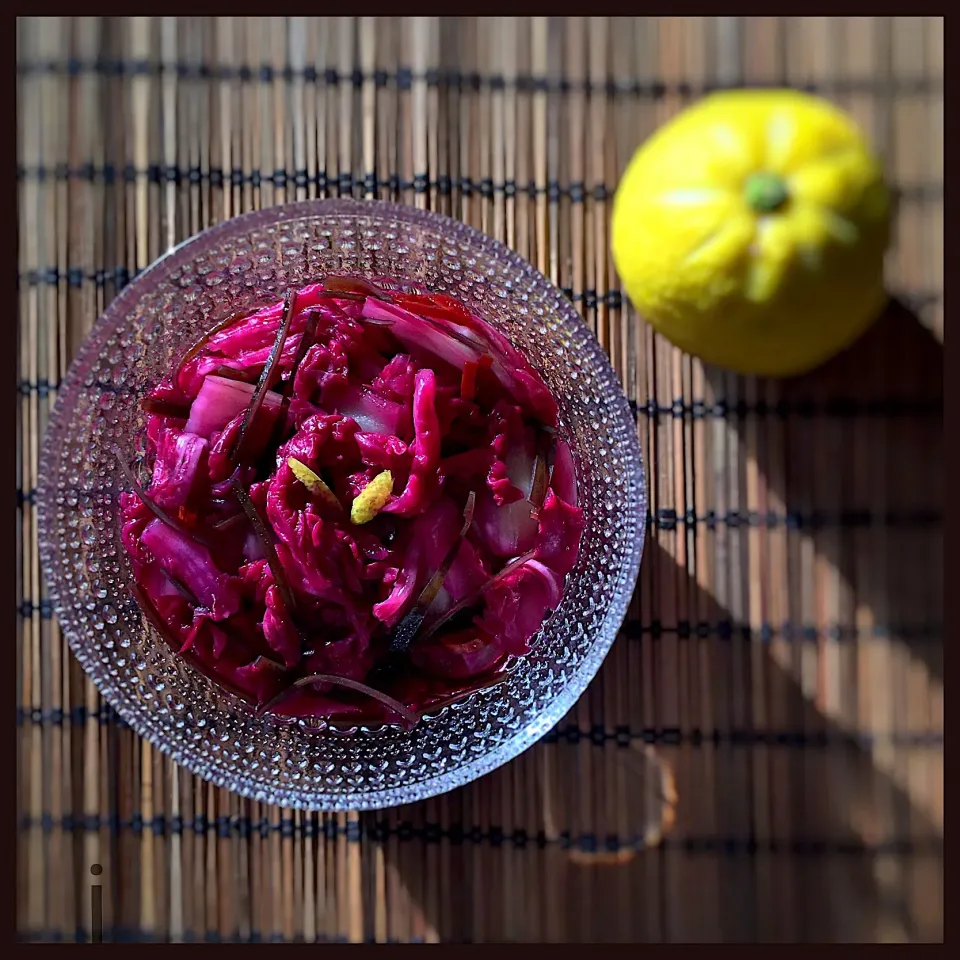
239,265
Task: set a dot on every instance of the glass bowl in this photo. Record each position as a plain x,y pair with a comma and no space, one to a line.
235,265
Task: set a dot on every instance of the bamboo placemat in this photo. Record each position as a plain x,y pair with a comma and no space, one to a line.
783,656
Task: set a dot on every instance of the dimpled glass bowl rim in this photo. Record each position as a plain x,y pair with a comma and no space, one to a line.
163,735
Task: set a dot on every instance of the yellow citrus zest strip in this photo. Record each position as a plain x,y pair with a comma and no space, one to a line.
372,498
311,481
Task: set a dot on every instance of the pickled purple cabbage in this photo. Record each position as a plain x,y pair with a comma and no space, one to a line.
250,556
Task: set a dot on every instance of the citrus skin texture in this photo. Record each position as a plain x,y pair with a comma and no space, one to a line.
750,230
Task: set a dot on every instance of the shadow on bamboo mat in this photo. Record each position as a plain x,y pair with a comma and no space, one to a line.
858,463
820,830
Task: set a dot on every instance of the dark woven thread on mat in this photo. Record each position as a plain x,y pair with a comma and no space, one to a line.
405,77
669,519
634,629
357,831
888,408
119,276
575,191
600,736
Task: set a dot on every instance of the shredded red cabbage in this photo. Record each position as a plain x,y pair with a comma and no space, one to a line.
256,572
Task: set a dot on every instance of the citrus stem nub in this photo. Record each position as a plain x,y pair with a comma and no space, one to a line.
766,192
